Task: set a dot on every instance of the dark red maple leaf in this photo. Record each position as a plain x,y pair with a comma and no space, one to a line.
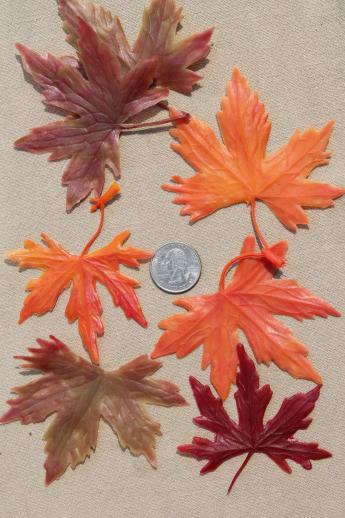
250,435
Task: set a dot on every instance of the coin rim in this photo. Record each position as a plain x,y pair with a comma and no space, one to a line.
167,290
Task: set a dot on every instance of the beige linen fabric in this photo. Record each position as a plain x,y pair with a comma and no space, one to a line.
293,52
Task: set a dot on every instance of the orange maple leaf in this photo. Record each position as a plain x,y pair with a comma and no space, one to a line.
239,171
62,269
249,304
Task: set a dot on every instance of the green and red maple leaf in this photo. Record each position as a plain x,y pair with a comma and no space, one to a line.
81,394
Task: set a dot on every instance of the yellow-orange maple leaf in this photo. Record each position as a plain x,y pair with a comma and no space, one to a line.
239,170
62,269
249,304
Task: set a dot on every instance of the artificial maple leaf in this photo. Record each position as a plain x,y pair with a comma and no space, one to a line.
98,104
239,170
62,269
108,28
80,394
249,304
156,39
250,435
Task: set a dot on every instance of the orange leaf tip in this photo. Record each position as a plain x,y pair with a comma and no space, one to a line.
107,197
273,258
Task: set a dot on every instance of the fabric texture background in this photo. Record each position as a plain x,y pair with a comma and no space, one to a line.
292,52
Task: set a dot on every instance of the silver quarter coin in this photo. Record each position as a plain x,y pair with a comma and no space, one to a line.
175,268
